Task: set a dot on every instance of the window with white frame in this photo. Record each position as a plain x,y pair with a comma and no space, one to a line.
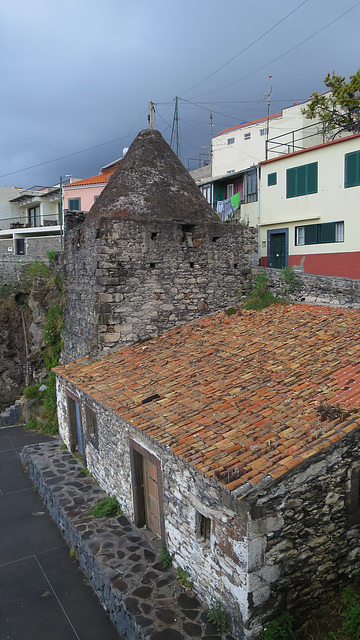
231,140
229,190
300,235
339,232
247,136
251,187
264,132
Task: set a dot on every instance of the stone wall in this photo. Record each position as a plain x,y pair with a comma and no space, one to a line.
218,566
288,543
308,540
318,289
13,266
129,280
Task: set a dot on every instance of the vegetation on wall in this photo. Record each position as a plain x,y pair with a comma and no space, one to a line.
46,421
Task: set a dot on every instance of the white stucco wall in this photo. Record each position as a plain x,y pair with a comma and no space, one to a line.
332,203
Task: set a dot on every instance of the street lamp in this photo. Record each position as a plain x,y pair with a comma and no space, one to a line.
61,208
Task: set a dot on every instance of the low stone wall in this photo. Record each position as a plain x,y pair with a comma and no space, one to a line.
143,600
11,415
317,289
13,266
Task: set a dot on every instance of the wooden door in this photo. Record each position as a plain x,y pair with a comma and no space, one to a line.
151,496
278,250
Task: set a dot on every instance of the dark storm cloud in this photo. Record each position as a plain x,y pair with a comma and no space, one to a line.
76,75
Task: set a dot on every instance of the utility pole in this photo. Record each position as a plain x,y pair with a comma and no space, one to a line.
211,136
268,118
151,111
177,125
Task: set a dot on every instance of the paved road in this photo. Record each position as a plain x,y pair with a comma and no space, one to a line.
43,594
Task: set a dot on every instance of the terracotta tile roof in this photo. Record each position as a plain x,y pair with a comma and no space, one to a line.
248,124
102,178
240,396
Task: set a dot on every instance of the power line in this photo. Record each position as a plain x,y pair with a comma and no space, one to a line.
69,155
282,55
246,48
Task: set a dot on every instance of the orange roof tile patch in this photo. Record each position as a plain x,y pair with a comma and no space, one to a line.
101,178
239,399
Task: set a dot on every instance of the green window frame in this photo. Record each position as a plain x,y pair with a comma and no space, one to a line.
74,204
272,179
302,180
352,169
325,233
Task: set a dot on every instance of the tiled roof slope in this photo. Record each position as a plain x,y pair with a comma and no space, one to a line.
101,178
152,184
239,395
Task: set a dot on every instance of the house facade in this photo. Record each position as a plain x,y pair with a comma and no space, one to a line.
30,227
233,186
251,479
308,209
80,195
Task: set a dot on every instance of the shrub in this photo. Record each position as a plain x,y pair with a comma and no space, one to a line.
32,392
261,296
219,616
106,508
279,629
165,557
51,255
38,269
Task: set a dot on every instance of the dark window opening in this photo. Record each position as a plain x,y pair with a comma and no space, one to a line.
150,398
353,498
192,264
154,235
91,425
34,216
203,527
20,246
215,238
235,265
152,265
187,238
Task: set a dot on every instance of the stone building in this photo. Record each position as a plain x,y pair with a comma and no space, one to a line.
150,255
236,439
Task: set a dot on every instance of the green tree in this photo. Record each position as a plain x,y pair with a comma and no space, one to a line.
339,108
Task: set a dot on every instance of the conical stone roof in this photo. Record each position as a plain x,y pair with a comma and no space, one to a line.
152,184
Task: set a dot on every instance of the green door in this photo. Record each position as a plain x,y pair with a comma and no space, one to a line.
277,250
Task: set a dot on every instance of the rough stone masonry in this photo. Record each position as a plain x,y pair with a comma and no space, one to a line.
151,254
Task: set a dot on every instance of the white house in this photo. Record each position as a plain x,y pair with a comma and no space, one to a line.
309,209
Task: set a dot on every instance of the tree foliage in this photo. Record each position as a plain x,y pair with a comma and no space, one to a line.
339,108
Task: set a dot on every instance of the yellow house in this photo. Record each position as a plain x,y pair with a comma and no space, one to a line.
309,209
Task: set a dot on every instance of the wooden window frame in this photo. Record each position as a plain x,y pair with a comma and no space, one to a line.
91,425
302,180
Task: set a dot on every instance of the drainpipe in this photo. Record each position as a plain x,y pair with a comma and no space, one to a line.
258,216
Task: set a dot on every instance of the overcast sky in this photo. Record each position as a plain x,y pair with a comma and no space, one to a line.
77,75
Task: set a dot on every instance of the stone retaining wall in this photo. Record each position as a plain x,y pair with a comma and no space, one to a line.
318,289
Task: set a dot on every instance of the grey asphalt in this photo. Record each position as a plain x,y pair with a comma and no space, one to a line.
43,594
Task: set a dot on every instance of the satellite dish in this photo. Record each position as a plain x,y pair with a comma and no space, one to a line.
125,150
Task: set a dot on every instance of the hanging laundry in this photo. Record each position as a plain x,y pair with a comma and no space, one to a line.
220,206
228,209
235,200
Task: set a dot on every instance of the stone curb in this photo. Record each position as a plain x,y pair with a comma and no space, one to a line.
144,601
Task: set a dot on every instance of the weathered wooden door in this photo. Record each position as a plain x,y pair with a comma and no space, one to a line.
151,496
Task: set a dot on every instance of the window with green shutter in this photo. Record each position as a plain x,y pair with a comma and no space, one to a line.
272,179
302,180
319,233
352,169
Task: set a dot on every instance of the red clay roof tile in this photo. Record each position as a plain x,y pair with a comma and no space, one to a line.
240,395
